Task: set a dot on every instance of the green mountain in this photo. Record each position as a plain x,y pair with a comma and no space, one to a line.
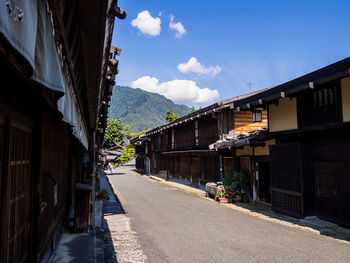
140,109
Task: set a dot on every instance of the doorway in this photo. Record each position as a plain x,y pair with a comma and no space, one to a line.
264,182
148,166
195,171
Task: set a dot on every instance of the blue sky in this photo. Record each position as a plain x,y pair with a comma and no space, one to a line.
232,42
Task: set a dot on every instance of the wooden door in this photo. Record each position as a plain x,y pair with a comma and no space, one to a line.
286,179
16,192
332,171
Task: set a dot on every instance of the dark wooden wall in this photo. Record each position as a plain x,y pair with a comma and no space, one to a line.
200,167
184,136
55,175
226,121
207,131
331,164
18,107
140,164
16,192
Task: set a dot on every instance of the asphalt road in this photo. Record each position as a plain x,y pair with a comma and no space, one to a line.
176,226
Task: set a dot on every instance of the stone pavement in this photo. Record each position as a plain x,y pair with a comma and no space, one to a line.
263,211
120,243
111,241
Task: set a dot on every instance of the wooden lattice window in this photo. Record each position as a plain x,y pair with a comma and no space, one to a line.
285,167
18,202
321,105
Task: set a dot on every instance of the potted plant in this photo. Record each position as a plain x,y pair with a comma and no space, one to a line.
103,195
225,195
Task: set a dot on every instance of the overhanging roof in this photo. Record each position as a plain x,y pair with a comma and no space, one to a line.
334,71
252,138
331,72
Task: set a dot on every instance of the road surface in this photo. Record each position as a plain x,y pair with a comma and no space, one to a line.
176,226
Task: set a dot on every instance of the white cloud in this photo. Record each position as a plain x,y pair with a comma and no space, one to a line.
147,24
178,90
193,65
177,27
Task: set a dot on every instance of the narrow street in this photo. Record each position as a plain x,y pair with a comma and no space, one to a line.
176,226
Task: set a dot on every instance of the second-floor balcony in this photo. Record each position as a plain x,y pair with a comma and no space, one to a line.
195,143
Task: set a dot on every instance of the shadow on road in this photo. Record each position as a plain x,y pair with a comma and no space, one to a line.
262,210
324,227
111,207
115,173
129,164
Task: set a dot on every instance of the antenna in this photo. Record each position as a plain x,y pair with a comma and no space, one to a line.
250,85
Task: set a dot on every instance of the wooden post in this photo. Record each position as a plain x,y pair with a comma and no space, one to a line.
4,194
93,149
221,165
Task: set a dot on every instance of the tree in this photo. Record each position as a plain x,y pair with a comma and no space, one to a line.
114,133
137,134
127,154
192,110
170,116
127,132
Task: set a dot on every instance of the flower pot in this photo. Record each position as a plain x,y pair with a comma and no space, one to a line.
225,200
238,198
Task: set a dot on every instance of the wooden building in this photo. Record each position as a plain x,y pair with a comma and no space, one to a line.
292,139
182,149
309,164
53,80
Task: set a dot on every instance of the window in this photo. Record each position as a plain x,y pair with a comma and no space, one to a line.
257,116
323,97
320,105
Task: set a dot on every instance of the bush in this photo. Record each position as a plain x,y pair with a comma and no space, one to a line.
236,183
227,180
240,181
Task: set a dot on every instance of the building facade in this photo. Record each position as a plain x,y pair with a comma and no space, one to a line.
292,140
54,57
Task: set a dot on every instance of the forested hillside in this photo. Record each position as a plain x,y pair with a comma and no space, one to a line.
141,109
